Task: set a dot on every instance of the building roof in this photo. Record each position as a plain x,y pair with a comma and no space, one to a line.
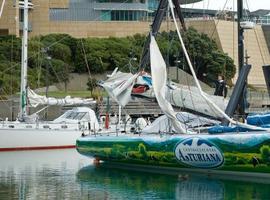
260,12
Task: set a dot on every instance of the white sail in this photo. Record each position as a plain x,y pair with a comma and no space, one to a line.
119,87
35,100
159,78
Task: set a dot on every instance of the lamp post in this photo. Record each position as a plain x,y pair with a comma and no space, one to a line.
177,69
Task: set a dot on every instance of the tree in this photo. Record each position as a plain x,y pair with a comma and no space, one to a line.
91,84
98,55
59,71
60,52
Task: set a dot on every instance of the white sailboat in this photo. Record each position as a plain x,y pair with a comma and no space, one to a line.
28,132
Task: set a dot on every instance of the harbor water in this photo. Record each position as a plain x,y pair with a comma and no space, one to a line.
65,174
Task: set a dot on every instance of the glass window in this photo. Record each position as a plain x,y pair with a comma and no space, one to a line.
113,15
21,15
126,16
72,115
122,16
80,116
130,16
117,15
106,15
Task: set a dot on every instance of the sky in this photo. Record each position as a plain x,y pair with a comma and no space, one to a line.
252,5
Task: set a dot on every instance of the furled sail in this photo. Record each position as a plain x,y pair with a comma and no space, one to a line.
159,78
187,120
190,98
119,86
35,100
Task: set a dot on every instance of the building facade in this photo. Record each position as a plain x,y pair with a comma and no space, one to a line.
80,18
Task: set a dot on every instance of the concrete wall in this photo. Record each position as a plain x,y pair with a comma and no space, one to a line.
79,81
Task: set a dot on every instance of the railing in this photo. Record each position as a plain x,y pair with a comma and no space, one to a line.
83,125
262,20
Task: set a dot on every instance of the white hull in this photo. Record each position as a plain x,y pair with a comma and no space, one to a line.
11,140
60,133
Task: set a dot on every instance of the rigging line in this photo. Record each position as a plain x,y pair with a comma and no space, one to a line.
11,78
205,19
85,59
4,100
216,24
2,8
189,87
208,3
256,35
11,60
197,82
246,10
257,39
39,65
57,77
11,67
86,62
168,49
4,93
233,32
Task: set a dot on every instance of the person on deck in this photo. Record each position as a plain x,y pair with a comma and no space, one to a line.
221,87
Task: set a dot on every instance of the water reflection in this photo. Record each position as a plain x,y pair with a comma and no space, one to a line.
115,183
67,175
196,188
40,174
119,183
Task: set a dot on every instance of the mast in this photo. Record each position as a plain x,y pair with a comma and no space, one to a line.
162,8
23,93
240,52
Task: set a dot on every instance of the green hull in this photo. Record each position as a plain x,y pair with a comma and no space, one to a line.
246,152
